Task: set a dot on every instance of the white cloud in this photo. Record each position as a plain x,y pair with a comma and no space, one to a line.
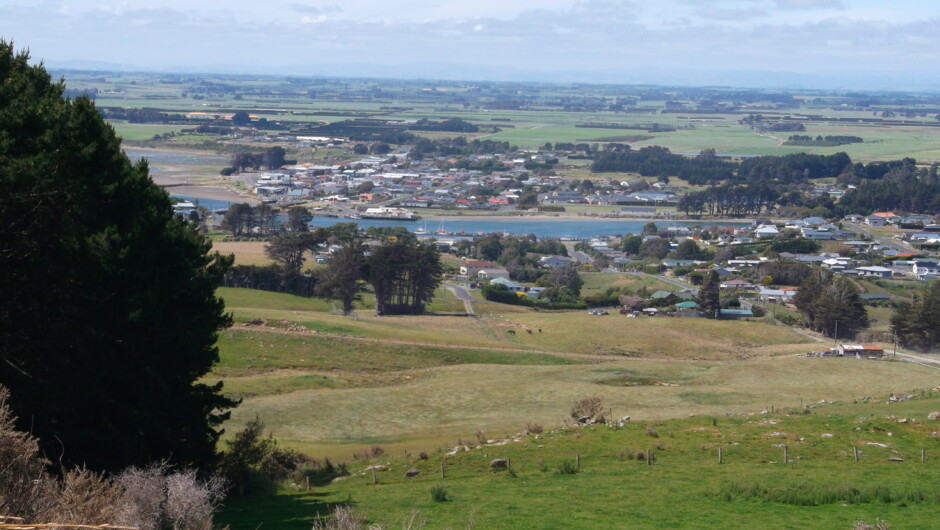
551,35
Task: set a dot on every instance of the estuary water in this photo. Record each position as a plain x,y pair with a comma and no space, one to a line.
541,227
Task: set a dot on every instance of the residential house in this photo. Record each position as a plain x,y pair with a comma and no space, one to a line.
493,273
534,292
551,262
766,231
925,270
815,235
473,267
776,295
874,220
509,284
737,284
734,314
875,272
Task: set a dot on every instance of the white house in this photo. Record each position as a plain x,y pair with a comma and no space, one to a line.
926,269
509,284
766,231
877,272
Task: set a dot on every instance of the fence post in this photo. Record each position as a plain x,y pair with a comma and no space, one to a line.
923,456
649,457
308,483
719,455
578,457
442,468
374,480
509,463
786,454
855,450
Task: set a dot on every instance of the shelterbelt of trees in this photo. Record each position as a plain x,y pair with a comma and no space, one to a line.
749,186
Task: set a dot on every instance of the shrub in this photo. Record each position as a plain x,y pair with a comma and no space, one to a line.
481,437
343,518
533,428
651,432
592,407
567,467
423,455
438,494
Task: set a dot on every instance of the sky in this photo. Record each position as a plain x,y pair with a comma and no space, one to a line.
848,43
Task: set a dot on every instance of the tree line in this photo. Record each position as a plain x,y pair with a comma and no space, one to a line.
656,161
729,200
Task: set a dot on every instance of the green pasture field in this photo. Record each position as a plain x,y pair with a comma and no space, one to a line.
528,128
599,282
137,132
819,485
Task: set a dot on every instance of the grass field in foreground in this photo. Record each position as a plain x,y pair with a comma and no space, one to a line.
419,381
821,486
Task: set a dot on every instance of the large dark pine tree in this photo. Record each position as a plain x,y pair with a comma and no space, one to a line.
108,313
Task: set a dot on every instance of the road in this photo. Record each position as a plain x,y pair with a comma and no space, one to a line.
890,243
581,257
462,294
671,281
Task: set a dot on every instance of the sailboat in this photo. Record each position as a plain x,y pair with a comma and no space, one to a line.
441,232
422,230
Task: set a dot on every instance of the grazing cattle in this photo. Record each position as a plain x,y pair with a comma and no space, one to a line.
540,330
510,332
529,331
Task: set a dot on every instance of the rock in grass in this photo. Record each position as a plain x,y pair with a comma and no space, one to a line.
934,416
412,473
499,463
895,459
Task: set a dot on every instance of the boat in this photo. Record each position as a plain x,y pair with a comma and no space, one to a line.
422,230
441,232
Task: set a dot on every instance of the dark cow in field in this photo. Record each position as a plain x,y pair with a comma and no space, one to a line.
510,332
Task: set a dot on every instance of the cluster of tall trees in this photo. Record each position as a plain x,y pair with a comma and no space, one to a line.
831,305
729,200
656,161
270,158
243,218
792,168
404,274
904,188
459,146
448,125
917,324
820,140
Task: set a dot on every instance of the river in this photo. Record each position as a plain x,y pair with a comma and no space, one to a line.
541,227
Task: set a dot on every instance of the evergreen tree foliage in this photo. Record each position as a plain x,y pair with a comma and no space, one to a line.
404,274
831,304
108,314
917,324
341,279
709,299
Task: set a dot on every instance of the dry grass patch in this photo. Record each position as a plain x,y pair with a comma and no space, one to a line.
449,402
